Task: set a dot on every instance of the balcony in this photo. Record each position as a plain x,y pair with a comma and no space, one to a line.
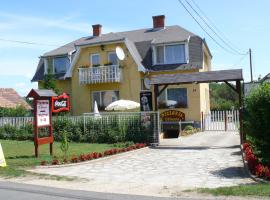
100,74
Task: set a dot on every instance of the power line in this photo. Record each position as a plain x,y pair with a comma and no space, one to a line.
213,30
213,24
221,46
28,43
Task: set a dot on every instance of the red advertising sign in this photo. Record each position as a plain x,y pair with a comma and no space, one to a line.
60,103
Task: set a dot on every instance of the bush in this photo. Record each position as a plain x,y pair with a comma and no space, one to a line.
257,120
19,111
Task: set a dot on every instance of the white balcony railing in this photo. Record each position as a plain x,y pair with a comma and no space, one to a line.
100,74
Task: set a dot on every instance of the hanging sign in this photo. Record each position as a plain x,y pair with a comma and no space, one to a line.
172,116
60,103
2,158
146,101
43,113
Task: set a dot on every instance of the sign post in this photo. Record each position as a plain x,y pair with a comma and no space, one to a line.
2,158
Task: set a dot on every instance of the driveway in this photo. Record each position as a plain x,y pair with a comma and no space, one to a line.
207,159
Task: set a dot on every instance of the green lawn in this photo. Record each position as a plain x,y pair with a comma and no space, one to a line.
20,154
260,189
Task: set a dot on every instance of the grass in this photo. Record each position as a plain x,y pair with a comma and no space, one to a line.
20,155
259,189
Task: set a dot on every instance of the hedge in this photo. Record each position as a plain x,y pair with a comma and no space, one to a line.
95,131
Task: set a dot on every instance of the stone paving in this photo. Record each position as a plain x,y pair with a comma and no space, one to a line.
208,159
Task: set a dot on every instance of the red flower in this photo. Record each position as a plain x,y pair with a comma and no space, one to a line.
74,159
100,155
266,173
43,162
55,162
83,157
259,170
245,145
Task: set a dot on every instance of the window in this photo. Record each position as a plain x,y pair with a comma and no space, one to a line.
104,98
173,98
112,58
60,64
170,54
95,59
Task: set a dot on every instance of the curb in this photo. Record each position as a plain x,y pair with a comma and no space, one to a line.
88,161
253,177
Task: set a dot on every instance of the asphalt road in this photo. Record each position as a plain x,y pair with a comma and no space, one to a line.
15,191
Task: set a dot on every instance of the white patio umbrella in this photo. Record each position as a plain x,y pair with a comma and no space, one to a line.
122,105
96,112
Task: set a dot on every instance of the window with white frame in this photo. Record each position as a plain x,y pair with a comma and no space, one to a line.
95,59
170,54
112,58
60,64
104,98
173,98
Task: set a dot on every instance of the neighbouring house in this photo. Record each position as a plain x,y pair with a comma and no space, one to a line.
89,70
249,86
9,98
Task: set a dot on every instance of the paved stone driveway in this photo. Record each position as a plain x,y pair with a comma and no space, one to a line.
208,159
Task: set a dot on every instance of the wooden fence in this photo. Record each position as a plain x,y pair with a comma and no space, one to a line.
24,121
227,120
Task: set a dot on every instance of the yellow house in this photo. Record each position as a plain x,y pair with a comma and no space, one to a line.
89,70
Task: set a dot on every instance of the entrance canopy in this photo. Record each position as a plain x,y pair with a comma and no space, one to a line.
198,77
202,77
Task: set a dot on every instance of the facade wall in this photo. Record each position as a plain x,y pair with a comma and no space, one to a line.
129,88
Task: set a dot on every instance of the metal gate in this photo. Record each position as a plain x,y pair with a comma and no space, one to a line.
227,120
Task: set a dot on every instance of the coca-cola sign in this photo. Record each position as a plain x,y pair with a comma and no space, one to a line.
60,103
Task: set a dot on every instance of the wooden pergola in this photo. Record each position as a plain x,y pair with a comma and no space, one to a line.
225,76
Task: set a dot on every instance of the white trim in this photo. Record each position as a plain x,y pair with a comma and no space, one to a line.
45,65
91,58
73,62
154,55
108,56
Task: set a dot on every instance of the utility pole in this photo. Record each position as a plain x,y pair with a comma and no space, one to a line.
250,65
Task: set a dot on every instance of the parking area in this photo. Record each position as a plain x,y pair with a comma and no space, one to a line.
206,159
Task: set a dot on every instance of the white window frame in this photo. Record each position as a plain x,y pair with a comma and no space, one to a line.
53,67
108,57
154,57
100,91
91,58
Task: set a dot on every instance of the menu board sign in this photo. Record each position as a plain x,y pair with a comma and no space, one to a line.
43,113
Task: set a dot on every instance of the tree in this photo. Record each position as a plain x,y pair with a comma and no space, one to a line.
50,81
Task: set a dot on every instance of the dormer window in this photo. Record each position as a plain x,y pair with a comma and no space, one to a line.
170,54
60,64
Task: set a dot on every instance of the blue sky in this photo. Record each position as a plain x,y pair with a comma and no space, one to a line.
244,22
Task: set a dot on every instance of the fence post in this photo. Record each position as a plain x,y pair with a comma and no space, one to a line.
226,120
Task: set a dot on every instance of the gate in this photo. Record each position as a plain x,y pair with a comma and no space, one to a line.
227,120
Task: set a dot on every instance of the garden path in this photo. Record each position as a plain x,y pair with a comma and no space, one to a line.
206,159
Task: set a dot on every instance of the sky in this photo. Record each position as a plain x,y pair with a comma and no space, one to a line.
243,23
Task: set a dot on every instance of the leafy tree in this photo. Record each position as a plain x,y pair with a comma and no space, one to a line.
50,81
222,97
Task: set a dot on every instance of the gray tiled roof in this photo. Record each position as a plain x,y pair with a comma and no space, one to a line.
139,44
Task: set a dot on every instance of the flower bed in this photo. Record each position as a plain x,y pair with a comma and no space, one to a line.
255,167
92,155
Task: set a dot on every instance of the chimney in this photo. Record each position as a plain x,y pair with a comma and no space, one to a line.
159,21
97,29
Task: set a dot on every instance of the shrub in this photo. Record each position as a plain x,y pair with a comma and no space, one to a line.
64,144
259,170
43,162
257,120
74,159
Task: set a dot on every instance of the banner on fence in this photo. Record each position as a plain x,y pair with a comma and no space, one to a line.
2,158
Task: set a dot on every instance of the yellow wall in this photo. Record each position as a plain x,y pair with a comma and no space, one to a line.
129,88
